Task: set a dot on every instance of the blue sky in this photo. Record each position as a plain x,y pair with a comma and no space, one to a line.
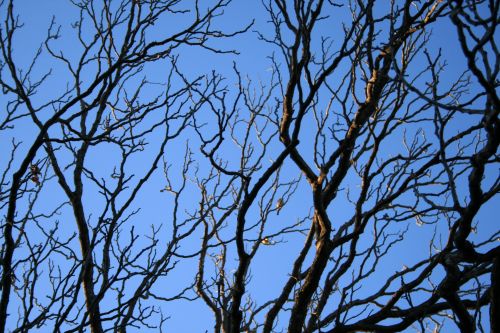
273,263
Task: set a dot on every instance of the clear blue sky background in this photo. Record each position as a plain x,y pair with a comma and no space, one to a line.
273,264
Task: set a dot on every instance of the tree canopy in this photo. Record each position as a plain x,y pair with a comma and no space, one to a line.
299,166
